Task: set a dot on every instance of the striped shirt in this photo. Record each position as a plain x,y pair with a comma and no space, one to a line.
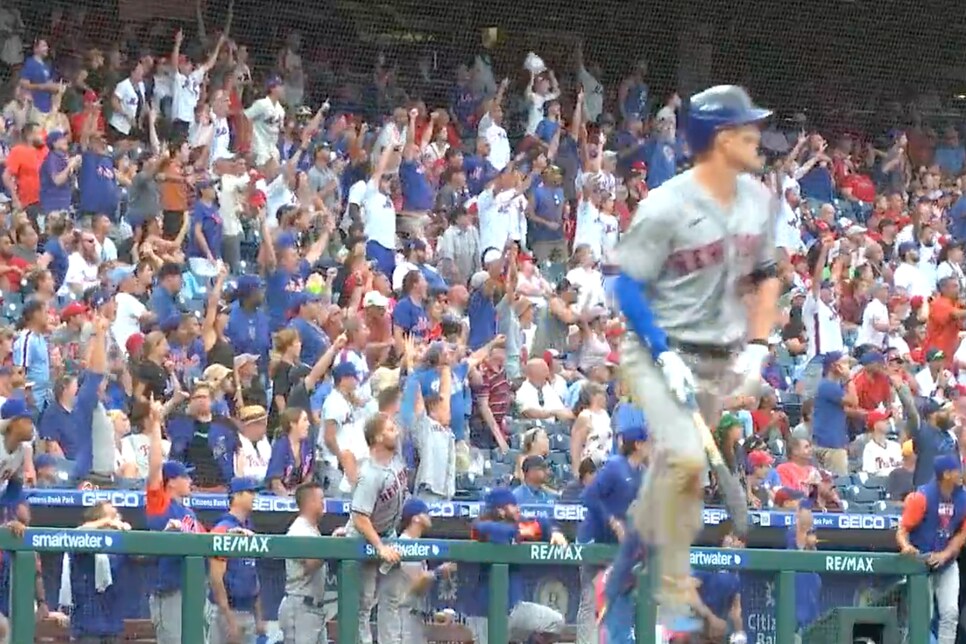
462,247
496,388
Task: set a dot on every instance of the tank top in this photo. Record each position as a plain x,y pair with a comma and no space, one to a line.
551,333
600,436
221,352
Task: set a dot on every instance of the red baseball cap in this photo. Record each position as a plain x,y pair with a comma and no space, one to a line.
876,416
72,309
759,458
134,343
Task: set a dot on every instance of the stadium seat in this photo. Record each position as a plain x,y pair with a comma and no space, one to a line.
862,494
560,443
843,481
13,297
872,481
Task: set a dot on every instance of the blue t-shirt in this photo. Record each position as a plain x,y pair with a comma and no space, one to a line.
314,340
625,140
411,317
546,129
38,73
279,287
830,428
817,184
58,262
661,161
460,400
718,590
53,196
951,160
417,191
479,172
464,104
206,215
97,184
482,314
548,204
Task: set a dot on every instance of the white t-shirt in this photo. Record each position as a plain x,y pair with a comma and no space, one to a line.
500,216
128,319
80,273
221,140
880,460
136,448
106,251
187,91
499,146
535,114
589,229
610,229
230,201
380,216
277,195
875,313
948,269
128,97
827,336
911,278
266,117
356,197
251,460
528,397
349,435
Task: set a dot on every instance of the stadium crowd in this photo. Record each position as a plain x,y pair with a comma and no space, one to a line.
201,266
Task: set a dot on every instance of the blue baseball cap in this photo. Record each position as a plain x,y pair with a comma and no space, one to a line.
946,463
344,370
119,274
830,359
242,484
175,470
906,247
499,497
871,357
247,284
634,433
100,297
413,508
14,408
54,137
304,297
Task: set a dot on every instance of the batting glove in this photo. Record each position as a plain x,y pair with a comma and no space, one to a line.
678,376
738,638
749,362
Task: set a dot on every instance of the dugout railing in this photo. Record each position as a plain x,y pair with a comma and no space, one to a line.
349,554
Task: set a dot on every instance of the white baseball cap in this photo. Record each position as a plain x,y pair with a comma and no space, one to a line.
375,298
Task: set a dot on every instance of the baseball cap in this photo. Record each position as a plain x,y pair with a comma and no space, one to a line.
947,463
100,297
877,416
72,309
908,448
491,255
786,494
244,358
728,421
246,284
134,343
344,370
215,373
871,357
120,273
413,508
375,298
760,458
242,484
533,462
54,137
14,408
499,497
479,279
831,358
906,247
634,433
175,470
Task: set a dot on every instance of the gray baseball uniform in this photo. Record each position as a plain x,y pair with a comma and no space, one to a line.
300,614
695,257
379,494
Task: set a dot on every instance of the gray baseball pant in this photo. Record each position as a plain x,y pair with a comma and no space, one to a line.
218,626
300,623
526,619
166,617
668,510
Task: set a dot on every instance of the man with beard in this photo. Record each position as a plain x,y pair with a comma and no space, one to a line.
21,176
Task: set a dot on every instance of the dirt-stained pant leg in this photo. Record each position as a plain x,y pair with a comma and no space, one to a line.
668,512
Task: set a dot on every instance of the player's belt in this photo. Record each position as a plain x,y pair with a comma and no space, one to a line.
710,350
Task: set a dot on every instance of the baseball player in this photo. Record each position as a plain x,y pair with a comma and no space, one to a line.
407,585
300,614
699,288
375,512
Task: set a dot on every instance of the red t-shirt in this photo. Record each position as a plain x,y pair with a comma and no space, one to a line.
872,390
23,162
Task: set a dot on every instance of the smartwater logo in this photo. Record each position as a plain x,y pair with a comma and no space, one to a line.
413,550
72,540
716,559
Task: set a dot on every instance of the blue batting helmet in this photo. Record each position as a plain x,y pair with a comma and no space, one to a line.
718,108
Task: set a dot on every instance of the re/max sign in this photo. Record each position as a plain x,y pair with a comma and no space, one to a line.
224,544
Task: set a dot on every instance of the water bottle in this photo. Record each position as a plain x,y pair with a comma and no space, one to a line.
385,567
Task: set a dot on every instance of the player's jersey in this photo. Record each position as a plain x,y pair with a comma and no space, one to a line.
694,256
379,494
